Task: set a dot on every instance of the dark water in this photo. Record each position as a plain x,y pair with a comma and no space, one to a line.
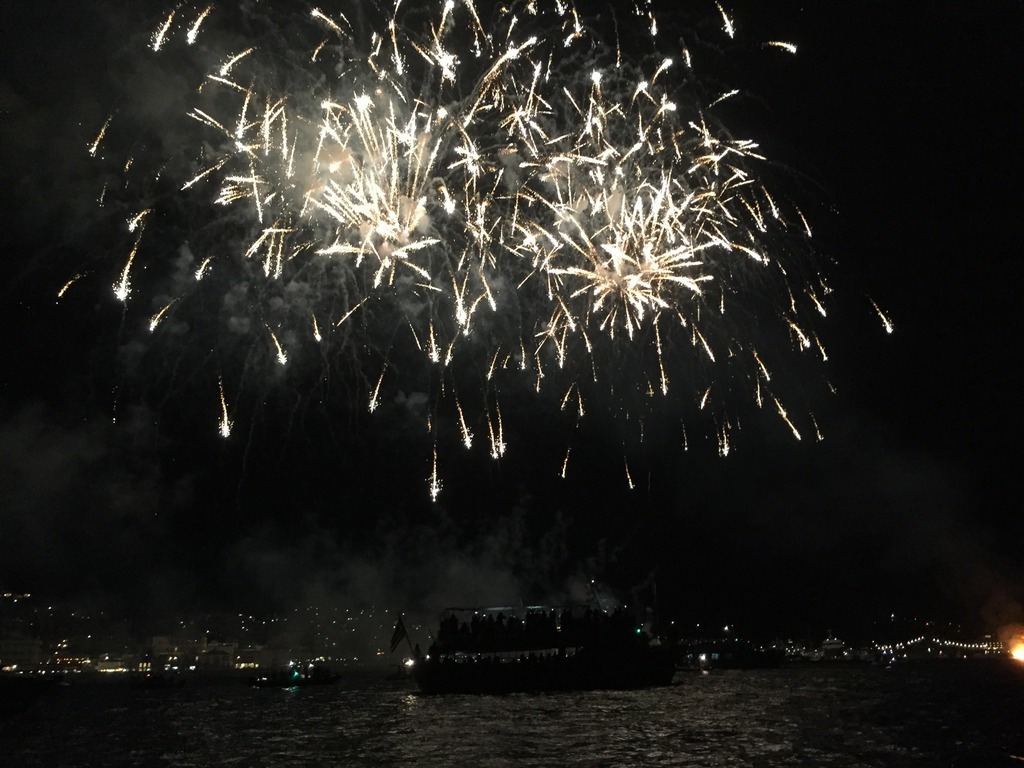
926,714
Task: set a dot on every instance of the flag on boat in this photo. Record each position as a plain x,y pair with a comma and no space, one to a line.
398,635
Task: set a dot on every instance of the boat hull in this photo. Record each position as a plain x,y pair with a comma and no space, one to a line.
581,672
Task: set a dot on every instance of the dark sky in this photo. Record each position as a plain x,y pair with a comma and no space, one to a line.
896,126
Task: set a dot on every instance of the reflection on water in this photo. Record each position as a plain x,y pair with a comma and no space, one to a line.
931,714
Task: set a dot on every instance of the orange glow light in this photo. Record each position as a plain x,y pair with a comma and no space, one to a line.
1017,652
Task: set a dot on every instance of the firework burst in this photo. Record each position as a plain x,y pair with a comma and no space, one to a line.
507,191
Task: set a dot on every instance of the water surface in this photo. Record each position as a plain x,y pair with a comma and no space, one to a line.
927,714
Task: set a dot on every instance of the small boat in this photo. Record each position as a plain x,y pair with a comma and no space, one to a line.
704,655
294,676
571,648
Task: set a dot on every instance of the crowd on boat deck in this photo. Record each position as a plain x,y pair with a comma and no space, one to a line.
535,630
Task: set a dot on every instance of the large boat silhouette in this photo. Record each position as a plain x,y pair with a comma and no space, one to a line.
539,648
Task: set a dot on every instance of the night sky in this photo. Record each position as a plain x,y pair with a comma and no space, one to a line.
896,126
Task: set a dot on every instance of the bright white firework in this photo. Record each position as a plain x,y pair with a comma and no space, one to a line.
509,189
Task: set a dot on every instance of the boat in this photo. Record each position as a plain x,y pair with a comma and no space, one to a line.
570,648
733,653
294,676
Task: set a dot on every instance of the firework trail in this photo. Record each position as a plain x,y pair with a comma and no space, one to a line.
501,196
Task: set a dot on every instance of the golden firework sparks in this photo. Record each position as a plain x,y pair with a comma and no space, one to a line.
513,186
